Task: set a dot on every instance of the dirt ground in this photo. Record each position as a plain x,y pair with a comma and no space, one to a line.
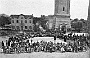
46,55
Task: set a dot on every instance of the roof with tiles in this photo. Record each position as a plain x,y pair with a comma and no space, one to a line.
25,16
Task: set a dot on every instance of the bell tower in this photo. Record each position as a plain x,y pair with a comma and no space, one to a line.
62,14
62,7
88,20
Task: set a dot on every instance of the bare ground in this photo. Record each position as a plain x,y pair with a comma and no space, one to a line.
46,55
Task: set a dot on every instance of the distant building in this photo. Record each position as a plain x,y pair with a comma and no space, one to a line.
39,23
61,16
22,22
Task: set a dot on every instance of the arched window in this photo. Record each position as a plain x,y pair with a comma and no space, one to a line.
21,21
25,27
63,8
12,21
30,27
25,21
30,21
17,21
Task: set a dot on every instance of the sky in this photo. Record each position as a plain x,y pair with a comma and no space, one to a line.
78,8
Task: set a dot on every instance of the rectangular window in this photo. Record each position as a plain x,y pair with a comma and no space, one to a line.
12,21
30,27
25,27
63,8
17,27
21,27
13,27
21,21
17,21
30,21
25,21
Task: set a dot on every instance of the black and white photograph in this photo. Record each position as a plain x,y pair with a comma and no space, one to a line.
44,28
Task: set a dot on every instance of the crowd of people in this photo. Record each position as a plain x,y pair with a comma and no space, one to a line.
22,44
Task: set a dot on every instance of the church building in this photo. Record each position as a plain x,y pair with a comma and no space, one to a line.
61,15
88,19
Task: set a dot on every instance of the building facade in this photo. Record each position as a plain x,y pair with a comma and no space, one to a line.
61,15
22,22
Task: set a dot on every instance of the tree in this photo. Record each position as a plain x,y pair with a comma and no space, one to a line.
81,19
84,27
39,22
4,19
76,19
77,25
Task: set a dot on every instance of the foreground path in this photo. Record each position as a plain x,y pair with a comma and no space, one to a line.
46,55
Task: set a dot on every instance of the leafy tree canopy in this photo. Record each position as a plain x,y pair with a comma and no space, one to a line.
4,19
